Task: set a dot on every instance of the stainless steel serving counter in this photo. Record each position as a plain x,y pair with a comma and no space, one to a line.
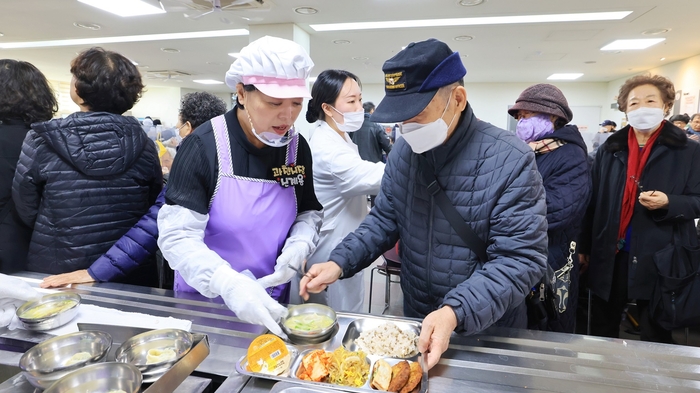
498,360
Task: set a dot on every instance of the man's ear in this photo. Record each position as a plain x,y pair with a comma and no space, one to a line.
461,97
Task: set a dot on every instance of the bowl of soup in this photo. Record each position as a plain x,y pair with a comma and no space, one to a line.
49,312
309,323
51,360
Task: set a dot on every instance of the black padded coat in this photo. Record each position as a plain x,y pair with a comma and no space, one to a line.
82,182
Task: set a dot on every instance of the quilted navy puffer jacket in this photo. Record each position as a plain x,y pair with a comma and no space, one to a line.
491,178
82,182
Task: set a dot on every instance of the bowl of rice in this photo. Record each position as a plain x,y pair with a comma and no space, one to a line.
387,339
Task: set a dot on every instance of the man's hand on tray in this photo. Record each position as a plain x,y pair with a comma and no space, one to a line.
435,334
319,276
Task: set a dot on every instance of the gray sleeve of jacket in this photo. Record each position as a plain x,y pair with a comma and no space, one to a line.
27,187
517,249
377,233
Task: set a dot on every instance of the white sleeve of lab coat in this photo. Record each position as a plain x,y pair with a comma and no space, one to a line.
181,240
355,176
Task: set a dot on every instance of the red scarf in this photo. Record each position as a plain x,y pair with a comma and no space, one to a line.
635,166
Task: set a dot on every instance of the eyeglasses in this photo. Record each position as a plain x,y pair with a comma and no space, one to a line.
639,185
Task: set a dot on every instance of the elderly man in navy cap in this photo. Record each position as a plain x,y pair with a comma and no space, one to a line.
463,271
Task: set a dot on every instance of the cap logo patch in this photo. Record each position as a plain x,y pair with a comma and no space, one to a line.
395,81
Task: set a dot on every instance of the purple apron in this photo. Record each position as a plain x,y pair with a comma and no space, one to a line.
249,219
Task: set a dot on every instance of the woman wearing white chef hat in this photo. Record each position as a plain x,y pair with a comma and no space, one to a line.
240,201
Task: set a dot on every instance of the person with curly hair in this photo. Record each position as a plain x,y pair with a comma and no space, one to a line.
196,109
26,98
83,181
646,192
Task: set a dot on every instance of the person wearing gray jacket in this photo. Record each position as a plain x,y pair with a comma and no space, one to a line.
490,177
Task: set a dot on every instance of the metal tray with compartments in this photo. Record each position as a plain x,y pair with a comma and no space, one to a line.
351,326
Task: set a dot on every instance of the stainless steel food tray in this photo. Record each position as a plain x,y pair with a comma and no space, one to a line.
351,325
288,387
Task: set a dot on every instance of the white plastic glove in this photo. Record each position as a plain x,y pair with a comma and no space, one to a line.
293,255
248,299
13,293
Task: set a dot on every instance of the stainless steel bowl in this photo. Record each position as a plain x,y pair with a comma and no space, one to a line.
314,336
135,351
46,363
100,378
51,321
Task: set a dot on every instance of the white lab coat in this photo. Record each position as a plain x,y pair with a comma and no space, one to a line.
342,181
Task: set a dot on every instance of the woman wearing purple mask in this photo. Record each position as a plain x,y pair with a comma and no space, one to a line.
543,115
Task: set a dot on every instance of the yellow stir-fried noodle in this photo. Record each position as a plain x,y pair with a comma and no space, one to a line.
348,368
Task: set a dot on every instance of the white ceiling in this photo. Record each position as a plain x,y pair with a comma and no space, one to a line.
502,53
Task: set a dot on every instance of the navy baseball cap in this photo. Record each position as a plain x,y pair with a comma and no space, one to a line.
608,123
413,76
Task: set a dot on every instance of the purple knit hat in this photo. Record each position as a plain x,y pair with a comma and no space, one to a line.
543,98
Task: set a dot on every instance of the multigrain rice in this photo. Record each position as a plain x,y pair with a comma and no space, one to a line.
388,340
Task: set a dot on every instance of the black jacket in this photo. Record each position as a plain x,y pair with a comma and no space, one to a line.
567,183
672,168
371,139
82,182
14,234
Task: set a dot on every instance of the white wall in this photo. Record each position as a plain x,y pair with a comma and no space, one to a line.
685,75
160,103
490,101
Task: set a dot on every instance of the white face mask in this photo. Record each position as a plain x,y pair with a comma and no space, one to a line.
645,119
423,137
352,121
272,138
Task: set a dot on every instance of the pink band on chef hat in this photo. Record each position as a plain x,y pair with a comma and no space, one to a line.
268,80
278,87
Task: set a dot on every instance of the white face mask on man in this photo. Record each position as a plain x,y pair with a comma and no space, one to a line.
352,121
645,119
423,137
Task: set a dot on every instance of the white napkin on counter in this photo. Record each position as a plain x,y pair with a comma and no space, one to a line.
88,313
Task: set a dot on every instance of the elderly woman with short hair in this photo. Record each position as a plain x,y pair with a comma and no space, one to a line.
645,187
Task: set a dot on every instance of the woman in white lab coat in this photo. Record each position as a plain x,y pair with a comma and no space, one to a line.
341,178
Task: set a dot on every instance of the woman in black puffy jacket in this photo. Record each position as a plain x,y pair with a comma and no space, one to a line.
85,180
26,98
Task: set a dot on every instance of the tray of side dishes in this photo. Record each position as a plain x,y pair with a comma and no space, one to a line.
375,354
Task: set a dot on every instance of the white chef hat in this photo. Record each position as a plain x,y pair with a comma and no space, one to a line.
275,66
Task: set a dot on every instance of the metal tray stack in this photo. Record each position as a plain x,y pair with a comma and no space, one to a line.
351,326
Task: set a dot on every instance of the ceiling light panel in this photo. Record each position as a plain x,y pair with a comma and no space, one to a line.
637,44
128,38
564,77
125,7
490,20
208,81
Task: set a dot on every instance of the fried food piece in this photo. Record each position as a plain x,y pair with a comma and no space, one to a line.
399,376
314,366
413,379
381,378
